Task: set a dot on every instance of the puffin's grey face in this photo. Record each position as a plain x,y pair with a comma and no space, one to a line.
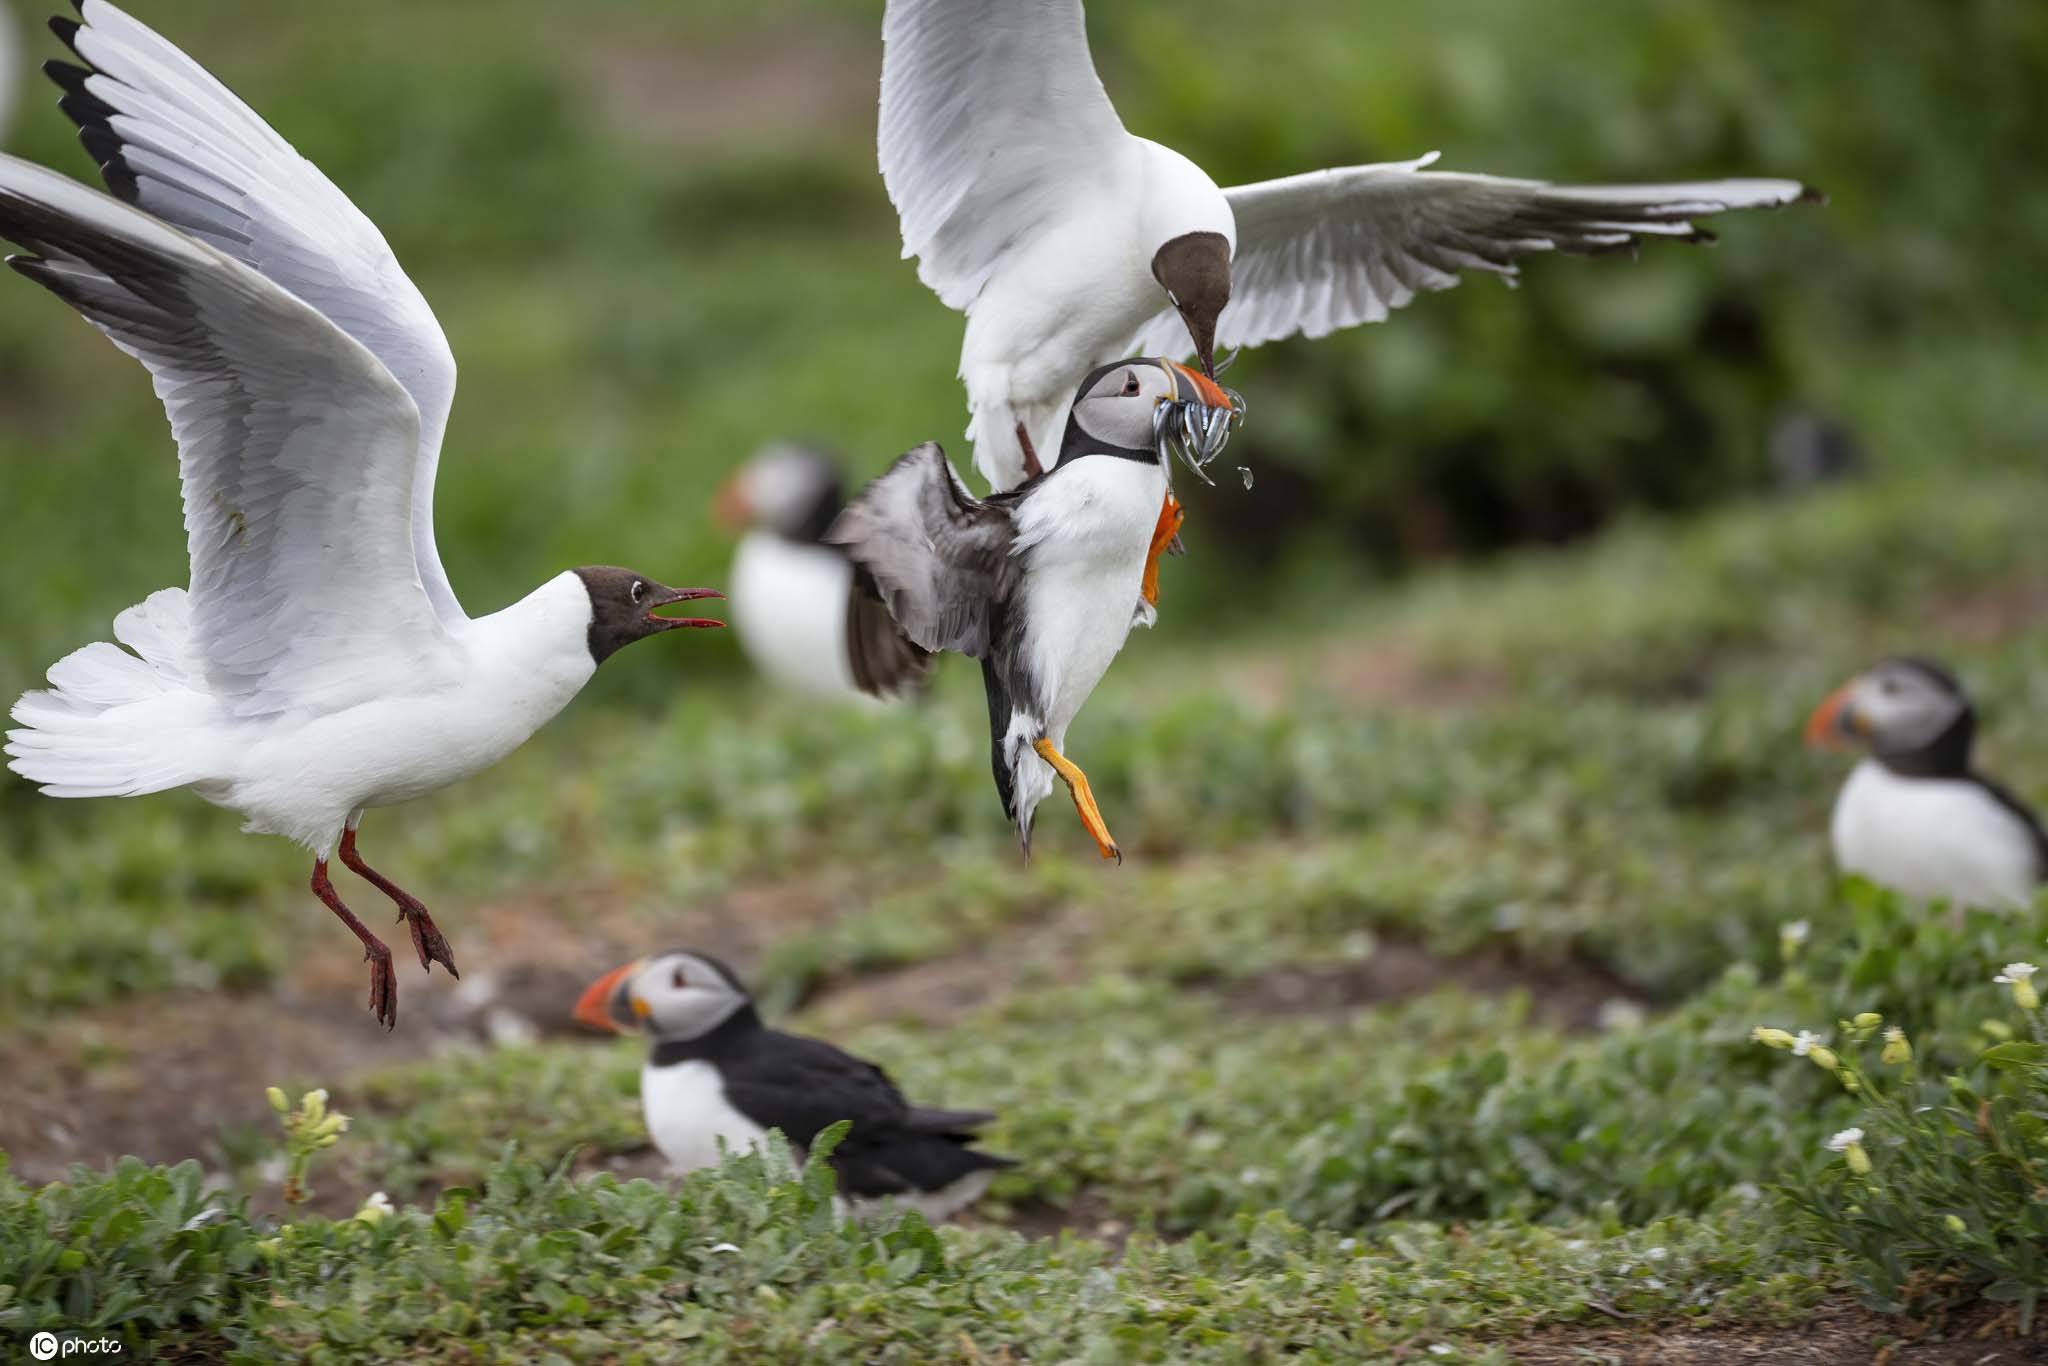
790,490
1158,407
1895,707
677,995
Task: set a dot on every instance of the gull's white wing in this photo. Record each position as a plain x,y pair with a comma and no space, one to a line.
1337,248
992,121
174,141
296,448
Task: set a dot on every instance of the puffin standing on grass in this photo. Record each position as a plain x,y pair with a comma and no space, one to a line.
1038,583
1915,816
716,1076
320,663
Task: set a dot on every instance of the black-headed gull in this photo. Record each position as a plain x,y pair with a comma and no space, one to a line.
1915,816
1068,242
717,1080
319,664
1038,582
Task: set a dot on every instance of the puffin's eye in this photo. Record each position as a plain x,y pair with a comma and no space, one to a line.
677,980
1130,385
639,590
1888,686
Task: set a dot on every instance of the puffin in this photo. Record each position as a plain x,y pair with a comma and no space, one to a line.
1037,582
1914,815
717,1077
319,664
1068,241
791,595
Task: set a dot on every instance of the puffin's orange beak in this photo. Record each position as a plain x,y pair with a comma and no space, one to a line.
594,1006
1824,727
729,506
1206,389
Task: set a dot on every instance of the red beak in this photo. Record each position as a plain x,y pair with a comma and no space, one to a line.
1208,390
594,1006
1824,727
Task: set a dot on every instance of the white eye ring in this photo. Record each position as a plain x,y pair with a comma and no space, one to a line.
639,590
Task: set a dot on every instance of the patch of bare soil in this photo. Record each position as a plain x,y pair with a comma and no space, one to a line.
761,87
1376,671
1844,1336
168,1077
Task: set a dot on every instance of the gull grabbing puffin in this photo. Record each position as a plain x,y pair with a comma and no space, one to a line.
1914,815
320,664
1068,242
716,1077
1037,582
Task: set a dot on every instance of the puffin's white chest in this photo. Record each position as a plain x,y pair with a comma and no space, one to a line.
1086,532
1933,838
788,607
687,1114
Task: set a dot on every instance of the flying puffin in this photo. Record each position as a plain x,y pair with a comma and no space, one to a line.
791,594
1915,816
715,1074
1068,242
320,663
1038,582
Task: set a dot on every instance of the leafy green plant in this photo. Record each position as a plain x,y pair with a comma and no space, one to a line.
1941,1186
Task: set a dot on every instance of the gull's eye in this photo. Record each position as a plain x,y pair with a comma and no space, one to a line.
677,980
639,590
1131,385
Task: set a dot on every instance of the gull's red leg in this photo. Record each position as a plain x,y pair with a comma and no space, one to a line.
427,939
383,982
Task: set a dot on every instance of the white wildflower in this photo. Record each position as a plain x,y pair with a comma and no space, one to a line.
1841,1141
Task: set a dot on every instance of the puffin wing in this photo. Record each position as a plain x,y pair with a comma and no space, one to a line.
173,141
938,558
1337,248
993,123
296,448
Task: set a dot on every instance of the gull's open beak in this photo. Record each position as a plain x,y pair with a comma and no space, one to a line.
669,597
1833,721
729,506
594,1006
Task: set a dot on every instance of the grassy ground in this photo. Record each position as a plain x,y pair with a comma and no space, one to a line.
1414,1026
1416,1019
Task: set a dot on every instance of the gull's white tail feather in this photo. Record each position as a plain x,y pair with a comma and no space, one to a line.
110,723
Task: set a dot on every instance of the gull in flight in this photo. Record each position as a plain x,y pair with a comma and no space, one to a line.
319,664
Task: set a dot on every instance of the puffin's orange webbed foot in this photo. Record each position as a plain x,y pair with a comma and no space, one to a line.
1171,516
1084,799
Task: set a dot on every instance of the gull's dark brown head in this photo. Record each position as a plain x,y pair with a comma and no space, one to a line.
625,607
1194,269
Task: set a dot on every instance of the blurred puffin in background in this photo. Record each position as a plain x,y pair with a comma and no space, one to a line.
1914,816
716,1075
1037,583
790,593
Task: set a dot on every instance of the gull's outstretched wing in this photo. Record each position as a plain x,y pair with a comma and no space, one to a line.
296,447
172,140
992,122
1337,248
934,556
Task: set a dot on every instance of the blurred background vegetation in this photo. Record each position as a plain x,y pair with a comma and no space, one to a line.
656,237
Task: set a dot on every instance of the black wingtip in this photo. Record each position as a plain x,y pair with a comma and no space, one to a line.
67,33
1812,194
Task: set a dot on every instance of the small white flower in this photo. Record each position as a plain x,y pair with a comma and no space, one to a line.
2014,972
1841,1142
725,1247
1442,1349
1251,1176
1658,1254
1347,1244
1795,931
1804,1043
